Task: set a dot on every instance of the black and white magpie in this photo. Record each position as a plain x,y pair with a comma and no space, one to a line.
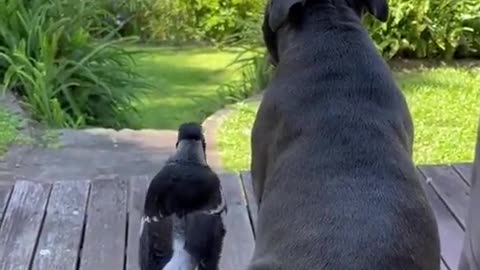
182,227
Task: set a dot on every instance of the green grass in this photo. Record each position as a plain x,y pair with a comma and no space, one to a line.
444,103
9,126
185,83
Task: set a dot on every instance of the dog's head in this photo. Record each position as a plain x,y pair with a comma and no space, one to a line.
279,13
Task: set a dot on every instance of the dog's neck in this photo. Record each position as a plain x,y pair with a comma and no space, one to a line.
190,150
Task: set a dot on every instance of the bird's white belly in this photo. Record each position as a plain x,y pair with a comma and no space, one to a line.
181,259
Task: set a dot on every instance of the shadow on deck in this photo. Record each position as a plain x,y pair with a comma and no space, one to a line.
85,225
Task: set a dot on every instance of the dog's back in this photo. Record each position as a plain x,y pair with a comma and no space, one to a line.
331,157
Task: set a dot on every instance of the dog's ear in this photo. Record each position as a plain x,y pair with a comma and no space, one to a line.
270,39
378,8
279,11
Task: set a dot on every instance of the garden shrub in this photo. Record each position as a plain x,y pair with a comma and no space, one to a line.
418,29
428,29
181,21
255,73
65,77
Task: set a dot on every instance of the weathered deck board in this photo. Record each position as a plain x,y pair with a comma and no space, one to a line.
465,171
451,234
105,231
61,235
452,189
250,197
443,266
138,188
5,192
43,224
21,224
238,243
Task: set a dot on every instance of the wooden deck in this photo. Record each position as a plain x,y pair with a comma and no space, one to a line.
84,225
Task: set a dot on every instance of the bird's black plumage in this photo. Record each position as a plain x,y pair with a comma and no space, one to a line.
177,209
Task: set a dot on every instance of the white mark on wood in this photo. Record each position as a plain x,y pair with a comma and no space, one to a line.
45,252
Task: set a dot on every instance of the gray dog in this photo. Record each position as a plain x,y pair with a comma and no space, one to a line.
332,149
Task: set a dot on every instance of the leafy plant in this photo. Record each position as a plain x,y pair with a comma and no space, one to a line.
255,73
251,61
181,21
65,77
428,29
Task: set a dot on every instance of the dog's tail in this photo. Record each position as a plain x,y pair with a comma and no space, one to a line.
190,131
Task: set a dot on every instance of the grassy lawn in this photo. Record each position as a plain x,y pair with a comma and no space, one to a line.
8,130
444,102
185,83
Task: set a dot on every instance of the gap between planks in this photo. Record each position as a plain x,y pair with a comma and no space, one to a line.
240,220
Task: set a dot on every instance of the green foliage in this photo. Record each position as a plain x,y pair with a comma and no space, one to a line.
255,73
66,78
425,29
428,29
218,18
9,125
184,20
234,137
251,61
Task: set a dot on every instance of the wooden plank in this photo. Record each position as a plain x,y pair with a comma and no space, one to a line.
451,234
5,192
232,189
60,239
465,171
238,243
105,231
450,187
138,188
250,196
22,224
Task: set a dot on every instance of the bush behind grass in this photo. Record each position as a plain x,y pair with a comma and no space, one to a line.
64,76
444,104
180,21
425,29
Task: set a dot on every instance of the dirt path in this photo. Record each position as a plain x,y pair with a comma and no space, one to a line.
90,154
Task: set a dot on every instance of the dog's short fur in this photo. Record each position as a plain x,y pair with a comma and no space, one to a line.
182,227
332,149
